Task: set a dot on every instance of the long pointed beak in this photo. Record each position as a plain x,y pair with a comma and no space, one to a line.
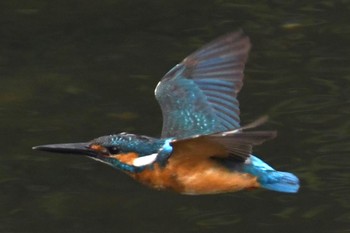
68,148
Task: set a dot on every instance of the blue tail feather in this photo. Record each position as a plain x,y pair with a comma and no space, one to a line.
280,181
271,179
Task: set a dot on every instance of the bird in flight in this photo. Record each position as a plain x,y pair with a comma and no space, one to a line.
203,149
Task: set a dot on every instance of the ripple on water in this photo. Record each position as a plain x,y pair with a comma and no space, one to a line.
209,219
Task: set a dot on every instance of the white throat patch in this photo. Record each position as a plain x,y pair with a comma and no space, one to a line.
144,160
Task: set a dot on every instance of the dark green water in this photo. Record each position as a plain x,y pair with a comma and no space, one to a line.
74,70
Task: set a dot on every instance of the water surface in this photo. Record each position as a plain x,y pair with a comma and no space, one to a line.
74,70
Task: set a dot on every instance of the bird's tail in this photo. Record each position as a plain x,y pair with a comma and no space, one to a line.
271,179
279,181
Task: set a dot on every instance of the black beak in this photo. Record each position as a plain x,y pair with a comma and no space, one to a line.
68,148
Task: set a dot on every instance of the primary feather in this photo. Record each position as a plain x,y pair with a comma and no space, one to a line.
198,96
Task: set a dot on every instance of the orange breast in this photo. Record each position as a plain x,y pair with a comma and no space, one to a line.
191,171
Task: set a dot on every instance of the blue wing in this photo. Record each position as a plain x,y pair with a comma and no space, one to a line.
198,96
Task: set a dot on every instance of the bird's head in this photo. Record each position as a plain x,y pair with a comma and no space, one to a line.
114,150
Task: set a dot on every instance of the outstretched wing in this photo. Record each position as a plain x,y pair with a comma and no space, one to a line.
198,96
234,144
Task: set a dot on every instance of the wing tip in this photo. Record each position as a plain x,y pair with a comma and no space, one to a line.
232,40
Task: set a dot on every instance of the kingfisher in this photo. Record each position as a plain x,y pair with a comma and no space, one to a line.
202,149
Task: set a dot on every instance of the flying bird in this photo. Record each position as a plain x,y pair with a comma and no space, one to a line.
203,149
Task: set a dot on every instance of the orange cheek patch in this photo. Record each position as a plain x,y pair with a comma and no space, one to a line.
96,147
127,158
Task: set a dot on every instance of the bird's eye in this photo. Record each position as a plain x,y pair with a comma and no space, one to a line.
113,150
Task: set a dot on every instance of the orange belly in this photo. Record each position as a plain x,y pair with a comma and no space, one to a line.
195,177
190,170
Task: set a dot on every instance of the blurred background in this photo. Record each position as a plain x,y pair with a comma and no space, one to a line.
73,70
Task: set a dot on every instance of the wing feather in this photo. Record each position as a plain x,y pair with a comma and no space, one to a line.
198,96
237,145
234,144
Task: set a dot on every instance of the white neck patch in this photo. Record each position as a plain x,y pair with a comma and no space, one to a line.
144,160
